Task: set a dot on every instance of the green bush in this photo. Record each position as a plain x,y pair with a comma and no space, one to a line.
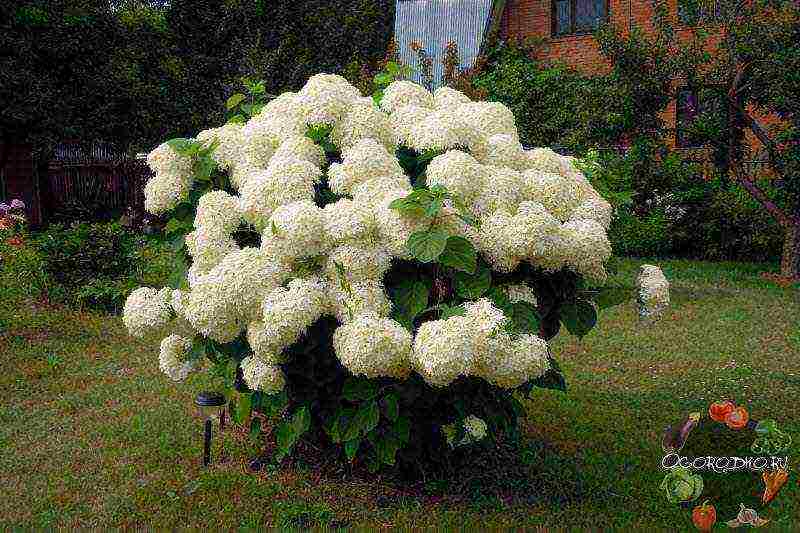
543,97
76,255
97,265
22,272
104,294
664,207
640,236
726,223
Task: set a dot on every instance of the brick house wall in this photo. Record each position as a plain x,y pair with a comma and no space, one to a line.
534,18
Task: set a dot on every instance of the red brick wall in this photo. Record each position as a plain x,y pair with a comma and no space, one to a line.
529,18
532,18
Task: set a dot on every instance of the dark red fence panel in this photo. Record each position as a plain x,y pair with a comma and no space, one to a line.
94,190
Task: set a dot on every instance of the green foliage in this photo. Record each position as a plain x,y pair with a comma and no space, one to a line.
289,431
434,244
391,72
473,286
460,254
303,515
579,316
543,97
725,222
135,73
88,265
641,236
78,255
426,246
525,318
411,299
23,272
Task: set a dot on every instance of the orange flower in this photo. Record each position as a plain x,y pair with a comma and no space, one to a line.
737,419
719,410
704,516
6,222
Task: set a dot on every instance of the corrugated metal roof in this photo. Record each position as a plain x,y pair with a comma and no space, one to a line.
435,22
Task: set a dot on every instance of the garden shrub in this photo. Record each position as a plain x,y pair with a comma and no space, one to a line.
22,272
544,97
379,275
80,253
97,265
641,235
726,223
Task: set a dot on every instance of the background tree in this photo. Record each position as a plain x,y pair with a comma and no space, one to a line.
54,66
754,75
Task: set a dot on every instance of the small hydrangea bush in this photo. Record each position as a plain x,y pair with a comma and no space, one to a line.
379,274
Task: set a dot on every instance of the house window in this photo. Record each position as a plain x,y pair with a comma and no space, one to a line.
572,17
693,12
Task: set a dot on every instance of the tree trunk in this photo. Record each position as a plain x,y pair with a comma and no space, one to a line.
790,260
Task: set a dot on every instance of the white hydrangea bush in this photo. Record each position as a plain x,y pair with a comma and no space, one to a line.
437,248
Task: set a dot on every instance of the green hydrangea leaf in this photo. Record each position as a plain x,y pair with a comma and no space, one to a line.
301,420
459,254
359,389
426,246
351,447
382,79
235,100
472,286
255,428
402,429
386,448
579,317
448,311
525,318
185,147
410,298
391,407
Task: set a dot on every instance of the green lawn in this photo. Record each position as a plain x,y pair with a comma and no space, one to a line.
93,435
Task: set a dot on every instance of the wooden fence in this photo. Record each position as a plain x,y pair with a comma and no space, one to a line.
91,183
94,189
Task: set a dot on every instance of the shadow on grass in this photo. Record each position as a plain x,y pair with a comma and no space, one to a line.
532,472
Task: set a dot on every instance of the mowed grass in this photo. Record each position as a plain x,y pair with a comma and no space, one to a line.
93,435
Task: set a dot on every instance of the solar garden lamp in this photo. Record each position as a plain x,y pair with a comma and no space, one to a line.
210,404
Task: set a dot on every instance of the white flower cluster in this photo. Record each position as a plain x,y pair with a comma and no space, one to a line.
172,360
147,311
262,376
653,292
475,429
229,144
372,346
364,160
477,344
172,180
519,292
532,206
